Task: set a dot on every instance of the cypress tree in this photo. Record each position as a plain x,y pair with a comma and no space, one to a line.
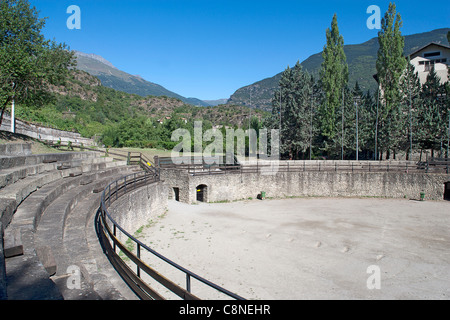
390,67
410,88
333,78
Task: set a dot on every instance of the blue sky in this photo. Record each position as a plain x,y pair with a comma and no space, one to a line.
210,48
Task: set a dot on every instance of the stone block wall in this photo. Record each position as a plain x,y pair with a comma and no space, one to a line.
44,133
15,149
3,294
229,187
139,206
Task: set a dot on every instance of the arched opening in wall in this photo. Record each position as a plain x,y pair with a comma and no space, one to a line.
176,194
202,193
447,191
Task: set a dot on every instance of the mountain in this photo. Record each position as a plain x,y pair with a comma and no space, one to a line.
85,106
119,80
217,102
361,59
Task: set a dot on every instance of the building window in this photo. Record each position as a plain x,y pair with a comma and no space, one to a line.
429,65
431,54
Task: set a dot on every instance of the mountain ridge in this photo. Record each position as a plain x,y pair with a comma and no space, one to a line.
361,59
114,78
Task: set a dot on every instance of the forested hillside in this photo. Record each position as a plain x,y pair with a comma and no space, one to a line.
120,119
361,60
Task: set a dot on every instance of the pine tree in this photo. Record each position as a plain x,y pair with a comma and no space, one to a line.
368,114
343,144
390,67
333,78
300,115
296,101
434,114
410,89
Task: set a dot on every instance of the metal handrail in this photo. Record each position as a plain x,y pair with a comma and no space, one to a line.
264,167
107,229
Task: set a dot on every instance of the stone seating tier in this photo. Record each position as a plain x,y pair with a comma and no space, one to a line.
47,208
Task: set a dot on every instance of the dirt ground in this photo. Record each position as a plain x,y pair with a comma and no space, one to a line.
308,248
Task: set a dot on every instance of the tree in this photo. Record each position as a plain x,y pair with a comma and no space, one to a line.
434,114
390,67
333,78
410,89
29,64
296,101
368,116
299,112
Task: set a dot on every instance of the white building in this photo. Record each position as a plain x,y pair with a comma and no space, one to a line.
433,54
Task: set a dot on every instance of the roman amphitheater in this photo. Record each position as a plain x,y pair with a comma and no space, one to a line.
90,225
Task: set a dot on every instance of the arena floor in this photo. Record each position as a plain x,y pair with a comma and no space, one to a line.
308,248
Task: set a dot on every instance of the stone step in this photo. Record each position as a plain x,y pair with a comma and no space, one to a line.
3,294
12,175
31,209
35,250
12,195
13,245
8,162
105,279
73,253
80,253
15,149
26,276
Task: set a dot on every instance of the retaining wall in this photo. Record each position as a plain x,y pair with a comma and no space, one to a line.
44,133
3,295
137,207
229,187
15,149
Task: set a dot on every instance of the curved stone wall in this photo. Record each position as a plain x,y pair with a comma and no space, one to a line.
229,187
137,207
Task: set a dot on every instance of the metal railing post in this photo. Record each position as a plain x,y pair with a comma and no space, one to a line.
138,271
114,233
188,282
